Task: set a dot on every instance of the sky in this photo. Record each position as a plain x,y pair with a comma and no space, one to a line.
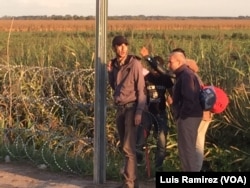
203,8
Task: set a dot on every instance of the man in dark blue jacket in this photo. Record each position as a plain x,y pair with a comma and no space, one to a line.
187,110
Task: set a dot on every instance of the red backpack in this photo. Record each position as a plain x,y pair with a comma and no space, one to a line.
221,101
212,98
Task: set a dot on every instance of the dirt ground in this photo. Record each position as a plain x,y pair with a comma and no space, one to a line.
16,175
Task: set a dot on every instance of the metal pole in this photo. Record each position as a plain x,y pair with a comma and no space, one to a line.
100,93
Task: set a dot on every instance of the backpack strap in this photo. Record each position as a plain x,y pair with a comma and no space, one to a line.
199,80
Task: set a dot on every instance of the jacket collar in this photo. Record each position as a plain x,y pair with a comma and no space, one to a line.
180,69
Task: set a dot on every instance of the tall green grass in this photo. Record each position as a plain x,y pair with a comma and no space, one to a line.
47,96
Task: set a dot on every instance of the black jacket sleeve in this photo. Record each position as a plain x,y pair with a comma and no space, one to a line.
158,67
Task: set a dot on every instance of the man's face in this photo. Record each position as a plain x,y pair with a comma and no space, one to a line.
172,63
176,60
154,72
121,51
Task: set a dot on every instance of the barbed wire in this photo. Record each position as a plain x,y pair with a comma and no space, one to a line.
49,113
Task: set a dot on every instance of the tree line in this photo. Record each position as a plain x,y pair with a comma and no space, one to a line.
125,17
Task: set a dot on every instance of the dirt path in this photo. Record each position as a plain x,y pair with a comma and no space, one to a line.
16,175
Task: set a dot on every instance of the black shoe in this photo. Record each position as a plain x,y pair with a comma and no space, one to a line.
159,169
140,158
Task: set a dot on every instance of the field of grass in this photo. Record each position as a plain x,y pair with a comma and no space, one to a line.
124,25
47,88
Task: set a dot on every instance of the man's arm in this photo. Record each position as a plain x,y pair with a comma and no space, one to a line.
140,91
153,63
110,74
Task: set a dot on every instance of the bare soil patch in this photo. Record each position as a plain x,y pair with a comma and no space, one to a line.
22,175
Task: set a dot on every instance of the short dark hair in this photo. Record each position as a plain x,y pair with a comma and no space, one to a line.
179,50
118,40
159,60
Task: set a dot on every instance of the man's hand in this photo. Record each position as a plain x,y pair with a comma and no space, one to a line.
138,119
109,66
169,100
145,71
144,51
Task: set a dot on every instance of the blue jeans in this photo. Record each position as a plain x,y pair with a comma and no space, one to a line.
160,129
159,123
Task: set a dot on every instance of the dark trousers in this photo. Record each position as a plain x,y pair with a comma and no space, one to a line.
159,123
128,133
160,130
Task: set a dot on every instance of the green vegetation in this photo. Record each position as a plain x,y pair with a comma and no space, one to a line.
47,95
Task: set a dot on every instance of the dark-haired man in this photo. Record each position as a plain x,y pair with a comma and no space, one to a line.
126,79
158,86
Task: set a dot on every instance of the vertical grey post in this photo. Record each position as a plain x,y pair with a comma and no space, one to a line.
100,93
